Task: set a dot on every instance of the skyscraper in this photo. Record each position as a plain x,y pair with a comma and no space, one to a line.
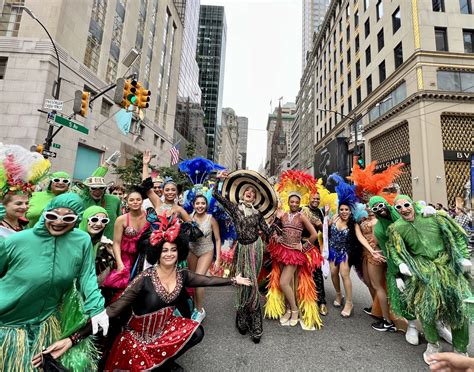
313,15
243,124
211,60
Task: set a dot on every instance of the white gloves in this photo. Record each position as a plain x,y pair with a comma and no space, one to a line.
400,284
112,159
404,269
428,211
466,265
102,320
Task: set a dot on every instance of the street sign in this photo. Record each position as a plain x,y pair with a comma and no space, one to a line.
50,154
70,124
50,119
53,104
56,145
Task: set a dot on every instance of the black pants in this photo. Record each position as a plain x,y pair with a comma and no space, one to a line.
319,282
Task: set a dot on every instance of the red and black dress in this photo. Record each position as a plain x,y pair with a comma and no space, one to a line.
154,335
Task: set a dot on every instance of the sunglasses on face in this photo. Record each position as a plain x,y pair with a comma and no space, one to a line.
377,207
404,205
93,188
68,218
103,221
62,180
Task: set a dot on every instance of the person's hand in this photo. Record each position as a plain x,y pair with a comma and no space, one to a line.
102,320
56,350
242,281
327,208
377,255
279,213
147,157
466,265
222,174
450,362
400,284
403,267
112,159
217,263
428,211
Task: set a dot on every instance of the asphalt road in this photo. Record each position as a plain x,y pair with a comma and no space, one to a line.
341,345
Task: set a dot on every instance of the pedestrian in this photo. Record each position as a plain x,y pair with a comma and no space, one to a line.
463,218
119,192
154,337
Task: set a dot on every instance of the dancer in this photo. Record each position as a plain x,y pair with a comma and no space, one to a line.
431,253
38,266
202,251
154,337
251,198
290,257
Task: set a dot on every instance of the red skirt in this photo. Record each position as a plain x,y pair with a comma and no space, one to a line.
150,340
311,258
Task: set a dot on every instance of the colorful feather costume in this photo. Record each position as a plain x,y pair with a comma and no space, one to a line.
281,248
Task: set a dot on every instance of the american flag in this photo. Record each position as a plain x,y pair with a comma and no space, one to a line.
174,151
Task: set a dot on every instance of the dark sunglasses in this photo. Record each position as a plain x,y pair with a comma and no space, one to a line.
68,218
103,221
93,188
377,207
404,205
61,180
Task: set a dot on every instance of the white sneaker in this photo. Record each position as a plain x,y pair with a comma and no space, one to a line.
430,350
412,335
444,332
200,315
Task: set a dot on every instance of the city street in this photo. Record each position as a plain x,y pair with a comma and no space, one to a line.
341,345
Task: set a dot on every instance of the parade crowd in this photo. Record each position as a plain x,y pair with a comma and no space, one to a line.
98,276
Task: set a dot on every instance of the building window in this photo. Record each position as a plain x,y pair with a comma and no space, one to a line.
348,34
155,140
369,84
465,6
456,81
340,25
340,46
349,80
96,30
382,72
358,95
348,55
438,5
357,43
398,55
380,40
366,4
348,11
396,20
356,18
10,17
162,144
393,99
342,89
349,104
105,108
368,57
3,67
441,37
367,27
468,36
341,66
357,69
379,9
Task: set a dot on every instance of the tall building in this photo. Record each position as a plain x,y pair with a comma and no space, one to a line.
227,151
402,75
313,16
92,41
211,60
243,124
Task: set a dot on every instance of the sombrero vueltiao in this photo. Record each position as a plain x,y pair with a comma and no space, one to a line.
237,182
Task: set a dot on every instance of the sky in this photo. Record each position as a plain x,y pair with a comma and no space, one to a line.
263,62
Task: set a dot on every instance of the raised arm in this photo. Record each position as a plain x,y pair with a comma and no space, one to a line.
230,207
184,215
150,193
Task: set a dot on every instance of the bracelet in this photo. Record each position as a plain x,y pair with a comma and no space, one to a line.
75,338
234,281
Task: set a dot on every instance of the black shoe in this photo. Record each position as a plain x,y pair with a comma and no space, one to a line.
368,310
255,339
382,326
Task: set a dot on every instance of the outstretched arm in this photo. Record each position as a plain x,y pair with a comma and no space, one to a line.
196,280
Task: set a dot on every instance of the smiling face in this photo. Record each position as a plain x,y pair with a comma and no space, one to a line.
200,204
294,203
405,208
170,192
250,194
157,188
58,226
15,206
381,210
169,255
344,212
118,193
314,201
59,185
96,224
134,201
97,192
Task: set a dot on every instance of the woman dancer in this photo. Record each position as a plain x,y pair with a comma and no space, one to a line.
16,206
154,337
202,251
249,223
127,230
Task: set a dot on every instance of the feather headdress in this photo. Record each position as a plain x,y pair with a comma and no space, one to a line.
20,169
198,169
368,183
345,193
296,183
326,197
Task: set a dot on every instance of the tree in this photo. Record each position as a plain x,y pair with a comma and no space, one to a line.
181,179
190,150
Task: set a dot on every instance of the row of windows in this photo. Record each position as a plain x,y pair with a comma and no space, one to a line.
441,39
465,6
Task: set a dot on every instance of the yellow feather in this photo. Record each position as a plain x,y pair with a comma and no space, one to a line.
38,171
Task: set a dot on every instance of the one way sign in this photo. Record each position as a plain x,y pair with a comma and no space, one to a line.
49,154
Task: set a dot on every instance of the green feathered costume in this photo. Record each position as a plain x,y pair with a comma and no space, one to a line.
85,355
433,248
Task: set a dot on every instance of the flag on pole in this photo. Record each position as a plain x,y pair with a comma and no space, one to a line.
174,151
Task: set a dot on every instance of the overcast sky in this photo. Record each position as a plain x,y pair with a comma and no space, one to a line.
263,62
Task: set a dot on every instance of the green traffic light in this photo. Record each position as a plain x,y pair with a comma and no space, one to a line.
132,98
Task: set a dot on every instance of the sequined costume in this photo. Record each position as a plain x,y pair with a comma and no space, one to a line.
204,244
248,258
338,244
286,249
153,335
367,230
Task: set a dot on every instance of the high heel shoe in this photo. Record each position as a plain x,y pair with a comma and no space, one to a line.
338,304
294,322
285,317
348,314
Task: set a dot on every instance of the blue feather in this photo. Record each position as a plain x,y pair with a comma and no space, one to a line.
345,193
198,169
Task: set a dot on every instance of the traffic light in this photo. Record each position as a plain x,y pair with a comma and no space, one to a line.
126,92
37,148
81,102
360,153
143,97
